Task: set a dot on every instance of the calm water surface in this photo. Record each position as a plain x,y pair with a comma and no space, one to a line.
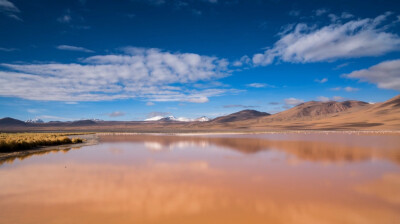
264,178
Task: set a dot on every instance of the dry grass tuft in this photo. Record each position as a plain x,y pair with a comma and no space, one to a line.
12,142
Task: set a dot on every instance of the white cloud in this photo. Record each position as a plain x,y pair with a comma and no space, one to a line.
35,111
347,89
326,99
9,9
73,48
324,80
245,60
149,74
350,89
51,117
385,75
64,18
320,12
338,98
346,15
323,98
258,85
355,38
293,101
116,114
150,104
341,65
294,13
8,49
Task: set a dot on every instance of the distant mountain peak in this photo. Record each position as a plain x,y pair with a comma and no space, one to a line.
36,120
179,119
240,115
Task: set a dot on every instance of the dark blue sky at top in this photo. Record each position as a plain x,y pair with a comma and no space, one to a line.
222,29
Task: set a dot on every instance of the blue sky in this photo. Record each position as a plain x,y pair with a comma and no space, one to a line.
131,59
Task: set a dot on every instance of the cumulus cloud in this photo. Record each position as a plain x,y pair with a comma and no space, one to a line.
385,75
9,9
149,74
73,48
324,80
293,101
303,43
116,114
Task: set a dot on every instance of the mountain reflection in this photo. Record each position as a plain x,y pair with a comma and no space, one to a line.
198,179
316,151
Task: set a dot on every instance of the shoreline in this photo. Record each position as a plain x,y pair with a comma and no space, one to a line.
93,138
90,139
256,132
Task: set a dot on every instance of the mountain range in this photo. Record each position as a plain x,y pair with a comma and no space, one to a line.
179,119
313,115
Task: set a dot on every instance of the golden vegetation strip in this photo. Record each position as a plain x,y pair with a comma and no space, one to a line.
12,142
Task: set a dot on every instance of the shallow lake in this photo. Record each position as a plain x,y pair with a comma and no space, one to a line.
235,178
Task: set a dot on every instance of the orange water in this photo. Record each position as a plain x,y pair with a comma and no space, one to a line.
275,178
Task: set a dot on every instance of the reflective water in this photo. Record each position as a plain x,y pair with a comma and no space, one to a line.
264,178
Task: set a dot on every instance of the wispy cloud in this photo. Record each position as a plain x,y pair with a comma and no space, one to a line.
35,111
353,39
116,114
347,89
326,99
320,12
259,85
9,9
294,13
150,104
323,98
8,49
238,106
385,74
51,117
66,18
73,48
341,65
151,74
245,60
293,101
157,113
324,80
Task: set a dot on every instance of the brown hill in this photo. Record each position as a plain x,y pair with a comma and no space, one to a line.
8,121
357,116
314,109
83,123
240,116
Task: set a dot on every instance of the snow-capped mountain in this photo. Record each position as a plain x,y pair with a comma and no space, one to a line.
36,120
172,118
202,119
156,118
